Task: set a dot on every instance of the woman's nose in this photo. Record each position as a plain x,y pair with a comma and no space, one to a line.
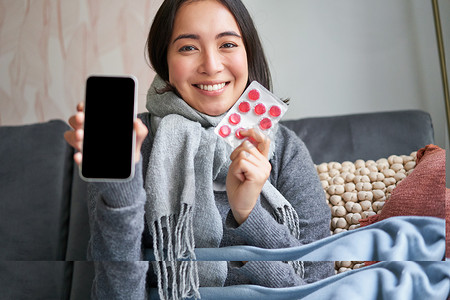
211,63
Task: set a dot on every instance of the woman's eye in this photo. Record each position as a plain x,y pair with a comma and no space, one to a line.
187,49
228,45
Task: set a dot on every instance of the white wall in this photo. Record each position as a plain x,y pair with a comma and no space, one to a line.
350,56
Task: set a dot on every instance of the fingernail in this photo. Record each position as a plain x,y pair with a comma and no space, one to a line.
243,130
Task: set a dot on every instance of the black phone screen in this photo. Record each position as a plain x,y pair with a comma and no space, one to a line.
108,142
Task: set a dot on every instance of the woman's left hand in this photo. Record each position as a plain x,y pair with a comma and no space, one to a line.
248,171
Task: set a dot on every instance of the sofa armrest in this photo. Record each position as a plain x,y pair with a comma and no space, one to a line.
35,184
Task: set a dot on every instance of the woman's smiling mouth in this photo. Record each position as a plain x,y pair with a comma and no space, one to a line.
211,87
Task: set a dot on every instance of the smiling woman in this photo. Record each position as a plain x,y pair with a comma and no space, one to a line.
201,193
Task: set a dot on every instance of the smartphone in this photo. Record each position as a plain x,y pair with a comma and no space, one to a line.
109,138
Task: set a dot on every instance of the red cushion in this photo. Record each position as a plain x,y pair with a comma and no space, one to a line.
422,193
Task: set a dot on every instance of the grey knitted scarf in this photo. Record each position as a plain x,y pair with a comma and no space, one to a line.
186,158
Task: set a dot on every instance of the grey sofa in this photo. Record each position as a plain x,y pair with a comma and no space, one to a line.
43,215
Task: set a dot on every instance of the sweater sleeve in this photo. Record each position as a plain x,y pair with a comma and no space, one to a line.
120,280
295,177
273,274
298,181
116,215
262,230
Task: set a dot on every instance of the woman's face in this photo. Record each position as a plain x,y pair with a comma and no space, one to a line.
206,57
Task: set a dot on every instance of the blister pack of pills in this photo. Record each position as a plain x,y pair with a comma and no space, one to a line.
256,108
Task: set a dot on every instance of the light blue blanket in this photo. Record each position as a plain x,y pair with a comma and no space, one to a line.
394,280
411,248
395,239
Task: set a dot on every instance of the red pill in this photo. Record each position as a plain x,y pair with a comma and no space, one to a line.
265,124
275,111
238,133
234,119
253,95
244,107
224,131
260,109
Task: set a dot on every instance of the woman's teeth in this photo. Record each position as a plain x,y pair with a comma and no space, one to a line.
210,88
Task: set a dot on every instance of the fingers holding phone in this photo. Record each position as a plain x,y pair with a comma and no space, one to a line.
141,132
75,136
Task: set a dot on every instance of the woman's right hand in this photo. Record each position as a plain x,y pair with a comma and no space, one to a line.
75,136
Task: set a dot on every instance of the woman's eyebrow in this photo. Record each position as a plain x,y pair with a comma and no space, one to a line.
197,37
186,36
227,33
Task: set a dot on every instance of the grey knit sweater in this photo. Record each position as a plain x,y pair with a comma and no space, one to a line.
119,232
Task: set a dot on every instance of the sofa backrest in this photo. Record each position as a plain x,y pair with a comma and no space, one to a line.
364,136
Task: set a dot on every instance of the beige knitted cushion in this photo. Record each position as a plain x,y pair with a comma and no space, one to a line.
357,190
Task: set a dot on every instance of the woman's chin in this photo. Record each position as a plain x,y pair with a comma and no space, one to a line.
214,112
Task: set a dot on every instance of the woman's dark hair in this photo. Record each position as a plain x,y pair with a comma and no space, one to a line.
161,32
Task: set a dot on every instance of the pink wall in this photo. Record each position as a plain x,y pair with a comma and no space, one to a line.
49,47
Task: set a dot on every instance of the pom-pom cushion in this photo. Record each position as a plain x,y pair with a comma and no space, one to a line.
357,190
364,192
